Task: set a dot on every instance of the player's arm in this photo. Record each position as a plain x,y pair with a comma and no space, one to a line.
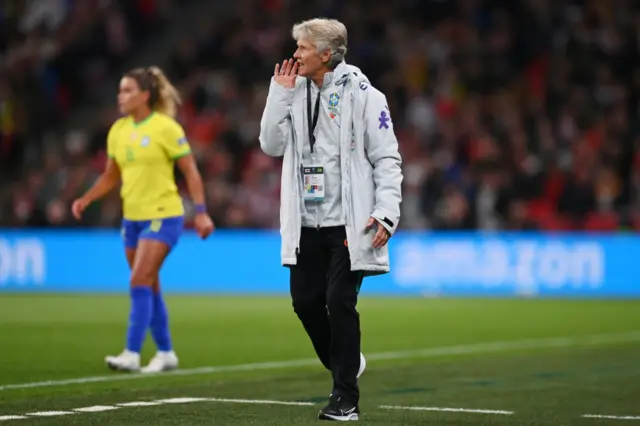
108,180
105,183
188,167
178,149
176,146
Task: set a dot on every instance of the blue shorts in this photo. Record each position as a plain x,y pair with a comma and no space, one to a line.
167,230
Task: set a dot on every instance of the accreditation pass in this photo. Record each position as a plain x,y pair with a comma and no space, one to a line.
313,180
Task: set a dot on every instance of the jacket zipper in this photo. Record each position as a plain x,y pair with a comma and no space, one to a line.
318,216
297,176
319,205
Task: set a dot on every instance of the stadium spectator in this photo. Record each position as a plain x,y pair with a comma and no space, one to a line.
546,92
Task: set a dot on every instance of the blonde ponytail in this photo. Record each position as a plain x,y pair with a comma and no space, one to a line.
168,97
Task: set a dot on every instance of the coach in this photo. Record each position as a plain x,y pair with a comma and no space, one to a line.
340,194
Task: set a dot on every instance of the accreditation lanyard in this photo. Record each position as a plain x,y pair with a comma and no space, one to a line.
313,173
312,123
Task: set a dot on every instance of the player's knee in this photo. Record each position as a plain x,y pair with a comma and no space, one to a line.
142,278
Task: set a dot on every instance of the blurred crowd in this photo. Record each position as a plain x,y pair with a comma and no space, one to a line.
54,55
510,114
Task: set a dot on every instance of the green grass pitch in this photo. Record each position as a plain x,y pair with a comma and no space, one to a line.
535,362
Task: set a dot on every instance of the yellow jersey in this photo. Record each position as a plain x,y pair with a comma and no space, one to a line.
146,153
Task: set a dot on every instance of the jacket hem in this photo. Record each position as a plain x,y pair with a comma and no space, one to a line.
370,270
289,261
324,224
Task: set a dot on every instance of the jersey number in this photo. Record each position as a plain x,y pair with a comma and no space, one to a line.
129,154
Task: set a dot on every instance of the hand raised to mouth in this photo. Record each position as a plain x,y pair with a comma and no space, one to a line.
286,74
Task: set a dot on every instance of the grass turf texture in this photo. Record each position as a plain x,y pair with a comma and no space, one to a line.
45,337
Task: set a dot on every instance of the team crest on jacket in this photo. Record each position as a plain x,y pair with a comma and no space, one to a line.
334,99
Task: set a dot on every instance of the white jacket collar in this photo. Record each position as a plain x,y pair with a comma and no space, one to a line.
345,72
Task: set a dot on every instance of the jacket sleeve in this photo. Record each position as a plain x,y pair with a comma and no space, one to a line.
381,147
275,124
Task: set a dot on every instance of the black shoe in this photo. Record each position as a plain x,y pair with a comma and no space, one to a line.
339,410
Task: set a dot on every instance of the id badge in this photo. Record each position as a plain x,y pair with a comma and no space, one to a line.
313,182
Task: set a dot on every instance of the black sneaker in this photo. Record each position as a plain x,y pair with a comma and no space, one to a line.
339,410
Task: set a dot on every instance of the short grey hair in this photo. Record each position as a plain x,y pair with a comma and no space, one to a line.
325,34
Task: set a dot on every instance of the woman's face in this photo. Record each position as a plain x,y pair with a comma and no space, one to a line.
130,97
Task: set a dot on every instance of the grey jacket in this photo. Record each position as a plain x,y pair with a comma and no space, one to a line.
370,164
327,150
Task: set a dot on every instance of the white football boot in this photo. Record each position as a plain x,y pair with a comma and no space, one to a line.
126,361
162,361
363,365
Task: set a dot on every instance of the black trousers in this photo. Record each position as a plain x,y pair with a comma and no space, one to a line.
324,292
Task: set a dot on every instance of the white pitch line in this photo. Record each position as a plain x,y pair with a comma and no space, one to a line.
262,402
179,400
468,349
139,404
186,400
446,409
232,400
49,413
600,416
95,409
